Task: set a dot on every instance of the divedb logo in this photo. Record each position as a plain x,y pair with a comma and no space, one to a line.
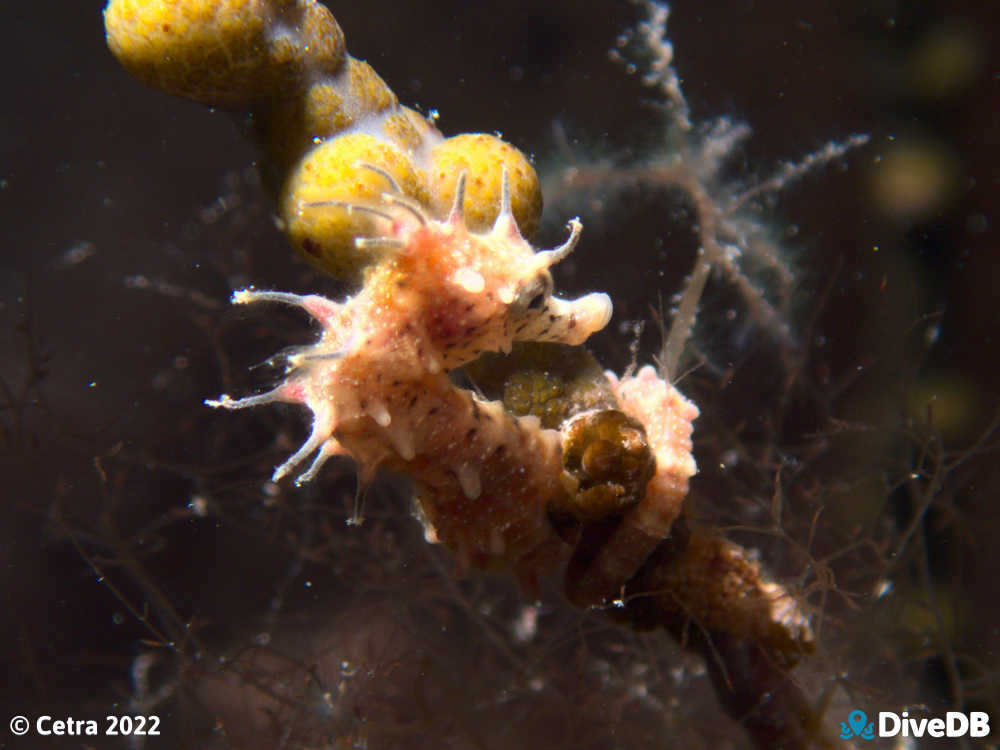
954,724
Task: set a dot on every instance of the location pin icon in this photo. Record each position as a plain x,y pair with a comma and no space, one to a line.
857,720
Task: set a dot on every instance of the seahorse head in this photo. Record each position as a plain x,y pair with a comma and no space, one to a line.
470,293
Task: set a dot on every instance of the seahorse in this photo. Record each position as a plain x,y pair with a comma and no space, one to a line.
378,387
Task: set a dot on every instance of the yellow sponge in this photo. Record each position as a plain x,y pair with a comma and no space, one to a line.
225,53
483,158
317,114
338,170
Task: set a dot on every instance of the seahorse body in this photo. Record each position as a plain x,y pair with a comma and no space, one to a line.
377,379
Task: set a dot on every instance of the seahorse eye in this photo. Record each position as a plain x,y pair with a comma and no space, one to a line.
532,295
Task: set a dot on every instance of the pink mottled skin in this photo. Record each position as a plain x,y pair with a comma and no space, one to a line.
377,384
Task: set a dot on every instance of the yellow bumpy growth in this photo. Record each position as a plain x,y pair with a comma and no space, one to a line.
321,117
